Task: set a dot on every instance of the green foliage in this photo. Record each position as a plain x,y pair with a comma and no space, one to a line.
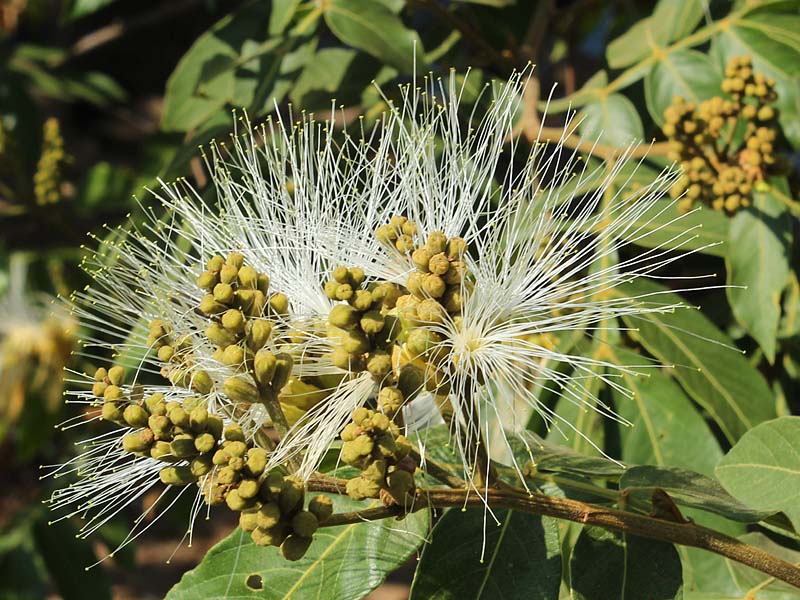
346,561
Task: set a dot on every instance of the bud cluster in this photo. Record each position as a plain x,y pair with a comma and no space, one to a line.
373,444
272,512
48,178
725,145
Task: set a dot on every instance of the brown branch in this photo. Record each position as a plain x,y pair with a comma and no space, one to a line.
439,473
685,534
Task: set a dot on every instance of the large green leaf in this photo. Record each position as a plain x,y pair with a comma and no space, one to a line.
344,562
608,565
688,488
716,376
372,27
763,468
611,120
771,41
235,63
763,585
471,557
686,73
666,429
670,21
664,227
758,267
547,456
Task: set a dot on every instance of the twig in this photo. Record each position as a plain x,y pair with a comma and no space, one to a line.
685,534
438,472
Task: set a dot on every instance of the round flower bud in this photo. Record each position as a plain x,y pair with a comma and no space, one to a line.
248,488
272,485
291,496
341,274
330,289
404,244
248,521
165,353
233,355
248,277
355,342
437,242
233,320
198,419
218,335
269,537
176,475
264,365
135,416
210,306
236,502
204,442
321,507
279,303
439,264
161,450
228,274
234,433
344,291
201,382
359,488
455,275
207,280
421,257
433,286
430,311
258,333
283,370
344,316
99,388
215,263
138,441
305,523
361,300
400,482
414,284
420,341
235,259
357,275
342,359
456,248
116,375
113,412
268,515
223,293
379,364
453,301
226,475
178,417
360,415
183,446
111,393
256,461
372,322
390,400
294,547
354,452
100,374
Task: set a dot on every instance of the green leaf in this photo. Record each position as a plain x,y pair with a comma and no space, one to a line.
344,562
548,456
522,558
334,73
717,377
81,8
666,429
234,63
763,468
612,120
370,26
494,3
281,14
766,586
685,73
664,225
688,488
790,324
758,267
587,93
609,565
762,37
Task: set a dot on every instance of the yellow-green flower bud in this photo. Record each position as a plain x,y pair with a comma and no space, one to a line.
344,291
405,244
135,416
236,502
160,425
233,356
341,274
390,400
344,316
176,475
360,488
138,441
342,359
99,388
228,274
183,446
452,301
233,320
353,453
201,382
414,284
100,374
113,412
116,375
455,275
111,393
215,263
421,257
223,292
350,432
439,264
248,488
456,248
268,515
258,304
264,365
248,521
321,507
355,342
210,306
291,496
178,416
234,259
256,461
294,547
198,418
214,426
239,389
248,277
305,523
421,341
234,433
165,353
226,475
433,286
361,300
263,283
218,335
259,332
279,303
269,537
283,371
331,288
235,448
161,451
204,442
207,280
372,322
430,311
437,242
357,275
400,484
155,404
379,364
